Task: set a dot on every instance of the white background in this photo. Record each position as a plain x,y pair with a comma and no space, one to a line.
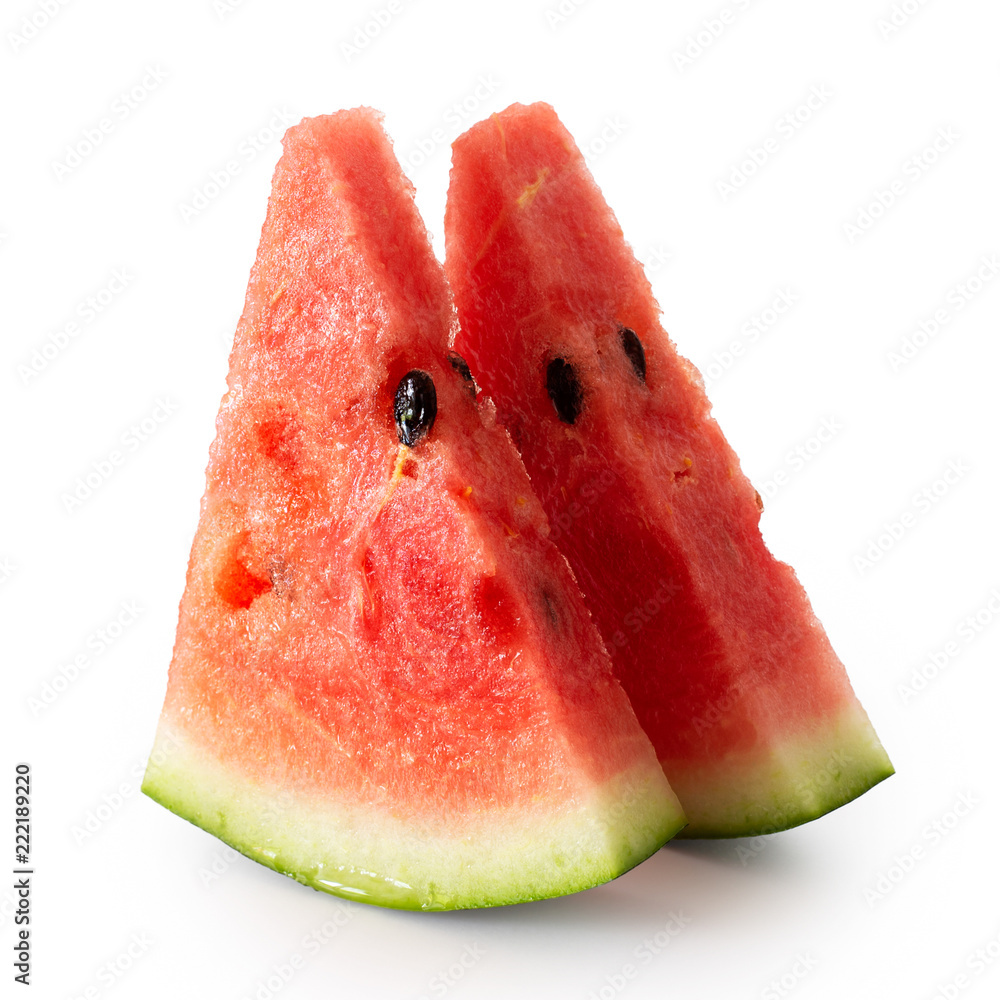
873,901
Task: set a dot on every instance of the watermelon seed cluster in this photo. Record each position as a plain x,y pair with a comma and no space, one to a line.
563,384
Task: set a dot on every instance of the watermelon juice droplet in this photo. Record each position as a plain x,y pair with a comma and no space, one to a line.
414,406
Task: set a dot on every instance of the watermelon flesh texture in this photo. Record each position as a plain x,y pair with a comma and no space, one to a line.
751,712
385,681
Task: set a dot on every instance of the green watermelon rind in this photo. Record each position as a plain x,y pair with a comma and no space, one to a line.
493,859
800,779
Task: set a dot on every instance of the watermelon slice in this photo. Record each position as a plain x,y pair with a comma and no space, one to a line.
385,681
731,675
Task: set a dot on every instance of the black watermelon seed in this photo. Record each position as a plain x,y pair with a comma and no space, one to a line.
632,346
550,608
414,406
459,364
564,390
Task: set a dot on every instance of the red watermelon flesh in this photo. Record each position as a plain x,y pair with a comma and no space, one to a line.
751,712
385,681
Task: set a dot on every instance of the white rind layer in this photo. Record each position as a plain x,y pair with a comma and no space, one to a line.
797,780
490,858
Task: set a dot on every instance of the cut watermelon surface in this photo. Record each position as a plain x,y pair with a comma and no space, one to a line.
731,675
385,682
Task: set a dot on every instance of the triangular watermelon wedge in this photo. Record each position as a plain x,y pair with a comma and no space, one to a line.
731,675
385,682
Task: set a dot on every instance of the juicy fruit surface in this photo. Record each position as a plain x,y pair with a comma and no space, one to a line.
385,682
729,671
